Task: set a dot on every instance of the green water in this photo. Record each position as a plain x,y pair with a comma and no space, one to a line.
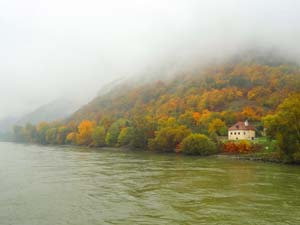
79,186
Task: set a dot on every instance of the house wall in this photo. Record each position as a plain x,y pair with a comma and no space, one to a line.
241,135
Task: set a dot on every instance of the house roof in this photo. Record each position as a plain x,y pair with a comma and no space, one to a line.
241,126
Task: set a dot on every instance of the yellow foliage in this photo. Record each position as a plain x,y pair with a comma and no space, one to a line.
85,130
71,138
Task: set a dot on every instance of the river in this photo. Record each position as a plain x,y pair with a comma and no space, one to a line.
79,186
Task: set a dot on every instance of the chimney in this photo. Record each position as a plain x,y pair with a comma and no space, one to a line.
246,123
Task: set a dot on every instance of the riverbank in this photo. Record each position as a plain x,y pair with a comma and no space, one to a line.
262,157
268,154
263,149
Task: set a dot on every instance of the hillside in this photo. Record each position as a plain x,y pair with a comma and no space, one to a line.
55,110
160,115
243,90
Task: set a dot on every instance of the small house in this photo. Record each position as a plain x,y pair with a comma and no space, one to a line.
241,131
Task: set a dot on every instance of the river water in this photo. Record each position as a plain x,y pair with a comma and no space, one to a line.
79,186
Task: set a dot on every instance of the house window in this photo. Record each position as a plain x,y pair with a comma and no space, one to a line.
239,133
231,133
244,133
234,133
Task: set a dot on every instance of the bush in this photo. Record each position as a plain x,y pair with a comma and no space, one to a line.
241,147
198,144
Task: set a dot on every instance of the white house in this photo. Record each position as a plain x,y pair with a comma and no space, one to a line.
241,131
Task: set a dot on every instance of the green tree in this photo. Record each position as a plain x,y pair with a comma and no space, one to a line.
98,136
50,136
168,138
62,132
114,131
143,130
41,130
125,136
198,144
284,125
30,133
217,126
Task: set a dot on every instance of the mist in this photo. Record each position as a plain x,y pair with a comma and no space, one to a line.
54,49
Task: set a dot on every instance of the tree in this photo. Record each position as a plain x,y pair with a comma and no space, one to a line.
41,130
284,125
71,138
98,136
85,130
50,136
198,144
30,133
168,138
217,126
144,128
113,132
188,119
125,136
250,113
61,135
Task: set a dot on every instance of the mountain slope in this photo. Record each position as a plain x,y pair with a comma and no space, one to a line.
258,88
55,110
160,115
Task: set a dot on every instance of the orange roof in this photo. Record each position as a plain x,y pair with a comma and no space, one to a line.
241,126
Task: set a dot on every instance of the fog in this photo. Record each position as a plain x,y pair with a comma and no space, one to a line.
69,48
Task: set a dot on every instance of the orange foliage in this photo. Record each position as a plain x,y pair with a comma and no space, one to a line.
237,147
196,117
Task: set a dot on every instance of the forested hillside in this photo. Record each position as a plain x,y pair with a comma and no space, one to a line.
160,115
237,91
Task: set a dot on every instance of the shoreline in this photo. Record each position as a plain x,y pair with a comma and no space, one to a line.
258,156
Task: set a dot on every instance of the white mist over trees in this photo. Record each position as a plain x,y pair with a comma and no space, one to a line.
51,49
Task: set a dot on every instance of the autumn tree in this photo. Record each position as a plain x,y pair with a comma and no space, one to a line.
71,138
188,119
85,130
168,138
217,126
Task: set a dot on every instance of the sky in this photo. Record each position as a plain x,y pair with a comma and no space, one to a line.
71,48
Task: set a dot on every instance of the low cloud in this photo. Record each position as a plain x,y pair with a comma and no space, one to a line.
53,49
